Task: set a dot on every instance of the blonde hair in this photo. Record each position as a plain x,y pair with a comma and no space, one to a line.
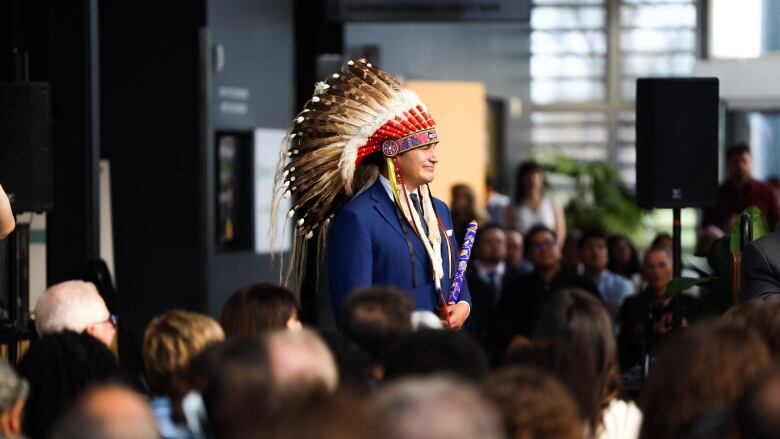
171,340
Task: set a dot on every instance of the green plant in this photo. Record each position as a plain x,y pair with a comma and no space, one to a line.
601,200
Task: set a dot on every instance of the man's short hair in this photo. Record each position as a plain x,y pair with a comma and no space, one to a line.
171,340
737,149
257,309
591,234
315,369
374,317
437,407
72,305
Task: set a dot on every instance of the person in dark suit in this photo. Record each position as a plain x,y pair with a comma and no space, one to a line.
489,278
519,310
761,267
356,163
369,243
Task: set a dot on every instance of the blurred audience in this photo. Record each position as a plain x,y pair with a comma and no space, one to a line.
514,251
570,253
581,320
702,369
740,191
13,395
238,387
612,287
258,309
646,317
109,412
438,408
489,278
429,352
76,306
761,317
518,312
533,404
495,201
463,208
757,410
624,258
374,318
531,206
301,364
171,341
60,367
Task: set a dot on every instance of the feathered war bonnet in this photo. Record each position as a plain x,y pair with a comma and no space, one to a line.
353,114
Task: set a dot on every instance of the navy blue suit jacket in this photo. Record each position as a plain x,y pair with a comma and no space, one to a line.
366,247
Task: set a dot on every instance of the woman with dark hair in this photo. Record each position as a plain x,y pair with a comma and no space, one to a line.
60,367
531,206
623,258
582,320
258,309
700,371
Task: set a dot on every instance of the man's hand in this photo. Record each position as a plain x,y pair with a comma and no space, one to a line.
458,313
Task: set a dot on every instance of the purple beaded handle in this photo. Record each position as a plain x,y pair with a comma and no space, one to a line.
463,260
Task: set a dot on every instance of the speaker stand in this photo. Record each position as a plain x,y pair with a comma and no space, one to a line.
677,266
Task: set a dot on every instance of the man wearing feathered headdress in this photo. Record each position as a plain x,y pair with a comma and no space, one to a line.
358,160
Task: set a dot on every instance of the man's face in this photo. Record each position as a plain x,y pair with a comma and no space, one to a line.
657,269
417,165
514,248
544,252
739,166
594,254
492,246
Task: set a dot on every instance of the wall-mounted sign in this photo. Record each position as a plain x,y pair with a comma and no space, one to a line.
429,10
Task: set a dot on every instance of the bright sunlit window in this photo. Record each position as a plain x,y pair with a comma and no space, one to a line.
735,28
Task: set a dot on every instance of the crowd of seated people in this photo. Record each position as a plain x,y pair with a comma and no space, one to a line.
571,336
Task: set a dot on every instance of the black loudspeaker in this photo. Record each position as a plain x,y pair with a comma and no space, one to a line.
25,145
677,142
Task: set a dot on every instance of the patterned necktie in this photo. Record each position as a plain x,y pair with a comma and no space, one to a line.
419,210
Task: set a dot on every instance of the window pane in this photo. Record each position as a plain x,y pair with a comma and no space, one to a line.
567,2
569,134
658,65
575,90
638,40
626,154
567,17
567,66
662,15
538,117
579,42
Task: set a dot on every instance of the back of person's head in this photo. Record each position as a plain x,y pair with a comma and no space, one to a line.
429,352
374,317
738,148
701,368
561,359
13,395
581,319
764,318
72,305
258,309
438,407
758,408
741,315
534,404
354,364
238,389
108,412
341,416
301,364
171,340
59,368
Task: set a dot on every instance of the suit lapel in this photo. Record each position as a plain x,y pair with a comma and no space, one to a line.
386,207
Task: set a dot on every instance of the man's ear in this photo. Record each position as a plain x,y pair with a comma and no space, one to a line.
90,330
15,421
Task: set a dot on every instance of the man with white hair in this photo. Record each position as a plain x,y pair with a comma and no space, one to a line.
75,305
